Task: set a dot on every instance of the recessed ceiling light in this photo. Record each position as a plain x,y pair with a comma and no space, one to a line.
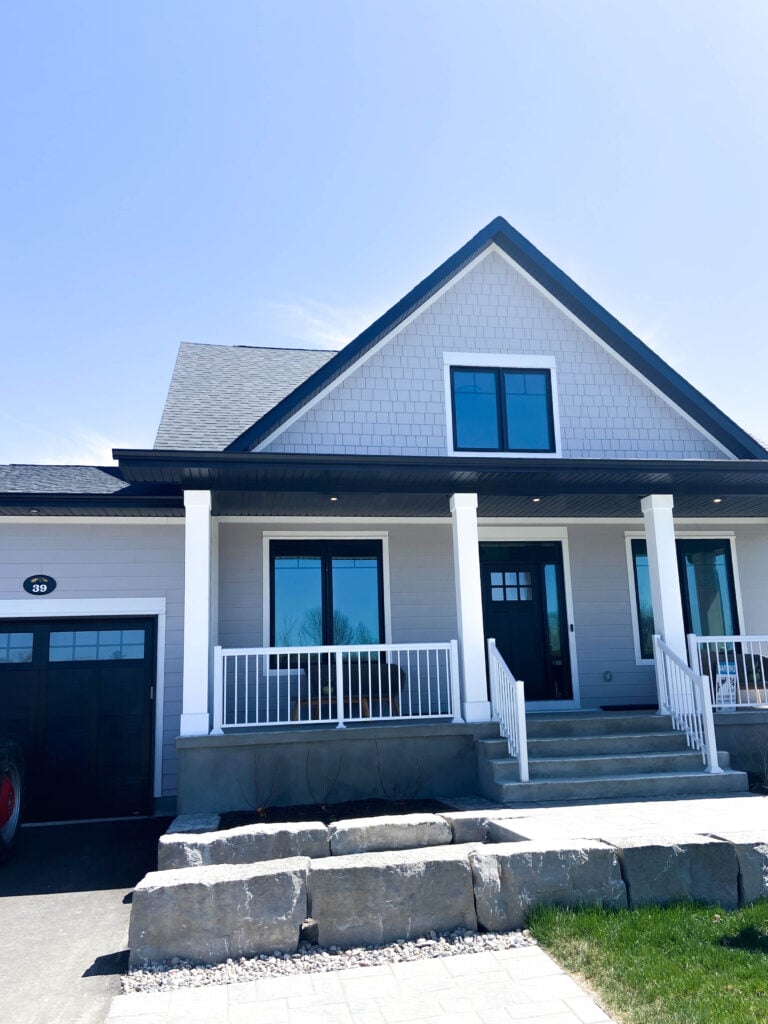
716,501
334,499
537,499
34,511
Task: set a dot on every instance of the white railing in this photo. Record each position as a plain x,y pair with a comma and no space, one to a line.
684,695
277,686
508,707
737,667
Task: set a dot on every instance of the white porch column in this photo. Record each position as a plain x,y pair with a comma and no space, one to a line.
469,608
195,719
662,566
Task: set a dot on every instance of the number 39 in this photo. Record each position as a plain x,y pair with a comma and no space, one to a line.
39,588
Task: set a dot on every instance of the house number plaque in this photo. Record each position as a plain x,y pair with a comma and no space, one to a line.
39,585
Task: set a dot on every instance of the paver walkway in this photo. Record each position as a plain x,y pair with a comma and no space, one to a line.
521,985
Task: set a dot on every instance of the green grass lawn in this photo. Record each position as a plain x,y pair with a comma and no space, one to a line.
685,964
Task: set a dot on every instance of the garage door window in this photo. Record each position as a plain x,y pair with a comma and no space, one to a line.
15,648
96,645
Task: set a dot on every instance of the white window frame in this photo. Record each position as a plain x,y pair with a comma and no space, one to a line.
501,361
630,535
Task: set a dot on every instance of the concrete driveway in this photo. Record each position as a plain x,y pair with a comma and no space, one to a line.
64,908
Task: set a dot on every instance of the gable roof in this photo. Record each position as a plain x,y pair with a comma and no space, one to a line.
562,288
217,391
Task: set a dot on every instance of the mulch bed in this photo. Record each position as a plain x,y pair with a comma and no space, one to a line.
331,812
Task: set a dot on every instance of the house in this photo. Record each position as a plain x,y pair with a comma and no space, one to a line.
291,596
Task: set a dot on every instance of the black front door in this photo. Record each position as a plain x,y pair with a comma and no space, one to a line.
77,695
524,610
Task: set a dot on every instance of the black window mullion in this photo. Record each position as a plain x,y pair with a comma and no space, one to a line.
501,412
327,571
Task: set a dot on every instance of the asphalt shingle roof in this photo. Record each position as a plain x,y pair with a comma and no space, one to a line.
20,479
218,391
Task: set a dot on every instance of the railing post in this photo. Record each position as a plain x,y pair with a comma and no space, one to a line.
694,655
218,692
522,731
705,709
339,661
455,682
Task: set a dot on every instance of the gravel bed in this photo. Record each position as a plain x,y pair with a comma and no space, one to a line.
310,958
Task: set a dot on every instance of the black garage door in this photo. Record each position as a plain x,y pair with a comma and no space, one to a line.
77,694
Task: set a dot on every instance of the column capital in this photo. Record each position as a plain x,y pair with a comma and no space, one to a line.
657,502
463,501
197,499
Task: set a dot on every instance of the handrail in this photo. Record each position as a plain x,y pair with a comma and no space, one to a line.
684,695
508,707
737,667
334,684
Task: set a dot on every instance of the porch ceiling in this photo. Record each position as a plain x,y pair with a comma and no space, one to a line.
266,484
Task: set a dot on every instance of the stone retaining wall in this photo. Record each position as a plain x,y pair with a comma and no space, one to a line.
249,890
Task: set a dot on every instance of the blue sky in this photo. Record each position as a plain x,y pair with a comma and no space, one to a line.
281,173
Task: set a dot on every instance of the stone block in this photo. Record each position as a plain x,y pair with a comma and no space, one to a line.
381,897
399,832
665,869
752,857
193,823
247,844
467,826
512,878
503,832
209,914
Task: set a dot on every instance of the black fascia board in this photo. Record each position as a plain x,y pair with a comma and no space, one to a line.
107,502
439,474
564,290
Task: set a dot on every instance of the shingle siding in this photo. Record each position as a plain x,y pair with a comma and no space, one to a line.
394,403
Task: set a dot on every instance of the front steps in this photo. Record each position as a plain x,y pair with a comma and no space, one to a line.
601,756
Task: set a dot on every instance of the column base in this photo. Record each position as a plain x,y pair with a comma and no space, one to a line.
198,724
476,711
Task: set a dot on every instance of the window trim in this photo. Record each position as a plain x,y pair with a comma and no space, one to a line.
323,535
500,361
630,535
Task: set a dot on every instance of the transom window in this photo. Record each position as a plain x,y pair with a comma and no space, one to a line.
511,586
499,409
15,648
706,584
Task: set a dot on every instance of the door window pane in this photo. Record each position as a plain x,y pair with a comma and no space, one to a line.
708,581
298,601
528,411
475,409
643,597
355,600
15,648
96,645
554,623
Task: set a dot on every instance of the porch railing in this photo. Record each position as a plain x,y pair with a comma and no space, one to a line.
684,695
279,686
508,707
737,667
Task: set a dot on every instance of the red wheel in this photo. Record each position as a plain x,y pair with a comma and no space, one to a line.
11,791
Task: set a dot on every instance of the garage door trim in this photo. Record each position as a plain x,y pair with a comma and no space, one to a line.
107,607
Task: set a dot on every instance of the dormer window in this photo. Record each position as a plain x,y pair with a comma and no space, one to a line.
500,408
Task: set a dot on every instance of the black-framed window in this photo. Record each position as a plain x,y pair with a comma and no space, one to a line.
497,409
326,592
707,587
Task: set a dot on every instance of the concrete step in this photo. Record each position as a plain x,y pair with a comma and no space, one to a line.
621,787
621,743
578,723
541,768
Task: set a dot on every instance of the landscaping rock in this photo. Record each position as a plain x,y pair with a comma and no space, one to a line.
209,914
193,823
401,832
752,856
501,832
660,870
380,897
245,845
467,826
513,878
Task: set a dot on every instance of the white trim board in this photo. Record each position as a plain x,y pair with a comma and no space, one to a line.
106,607
267,536
425,305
